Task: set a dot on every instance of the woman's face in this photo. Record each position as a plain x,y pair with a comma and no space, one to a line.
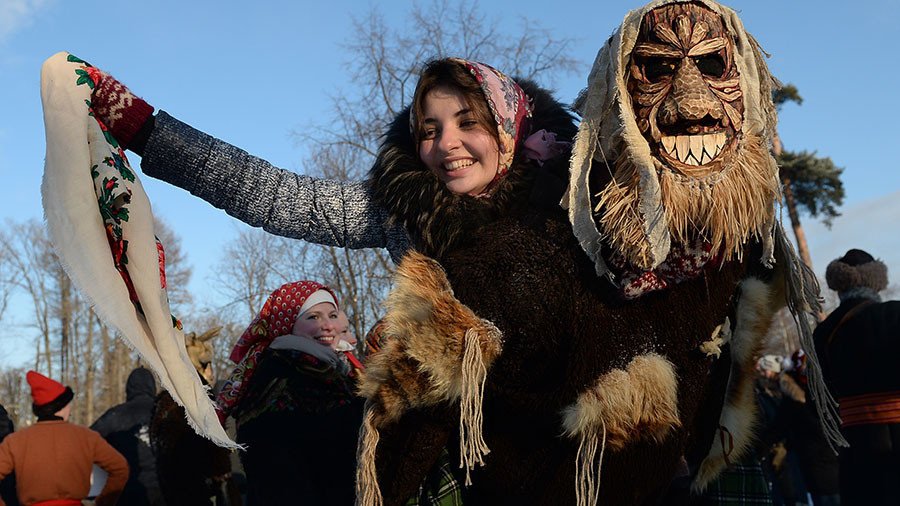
344,333
459,151
320,323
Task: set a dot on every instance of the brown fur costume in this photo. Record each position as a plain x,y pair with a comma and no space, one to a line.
440,222
565,333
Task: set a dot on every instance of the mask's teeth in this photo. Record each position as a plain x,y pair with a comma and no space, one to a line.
697,147
683,145
669,145
709,148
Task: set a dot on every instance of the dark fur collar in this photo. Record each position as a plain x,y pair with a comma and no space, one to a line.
436,219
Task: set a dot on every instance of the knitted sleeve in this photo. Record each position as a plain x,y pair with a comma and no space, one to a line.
322,211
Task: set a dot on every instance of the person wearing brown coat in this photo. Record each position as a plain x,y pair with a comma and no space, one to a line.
53,458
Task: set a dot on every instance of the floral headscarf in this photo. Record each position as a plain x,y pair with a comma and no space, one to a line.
276,318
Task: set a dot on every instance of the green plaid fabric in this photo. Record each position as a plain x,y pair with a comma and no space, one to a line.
440,487
742,484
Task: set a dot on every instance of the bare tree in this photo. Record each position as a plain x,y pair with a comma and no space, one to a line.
35,271
71,344
249,269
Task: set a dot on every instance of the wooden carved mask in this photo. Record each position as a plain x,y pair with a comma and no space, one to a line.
685,89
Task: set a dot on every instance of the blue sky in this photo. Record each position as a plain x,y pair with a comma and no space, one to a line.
251,76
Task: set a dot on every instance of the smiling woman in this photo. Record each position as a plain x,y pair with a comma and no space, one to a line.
295,379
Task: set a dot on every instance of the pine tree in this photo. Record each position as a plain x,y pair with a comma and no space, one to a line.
810,182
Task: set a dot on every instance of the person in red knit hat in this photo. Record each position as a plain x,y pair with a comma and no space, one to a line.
53,458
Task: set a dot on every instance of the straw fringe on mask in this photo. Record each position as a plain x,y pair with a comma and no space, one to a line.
726,209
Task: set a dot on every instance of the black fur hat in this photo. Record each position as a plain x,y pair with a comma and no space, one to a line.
856,269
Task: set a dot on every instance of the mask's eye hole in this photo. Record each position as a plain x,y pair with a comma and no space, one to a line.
656,68
710,65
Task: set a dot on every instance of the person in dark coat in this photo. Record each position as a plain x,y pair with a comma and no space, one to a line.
858,345
293,398
126,428
8,484
817,461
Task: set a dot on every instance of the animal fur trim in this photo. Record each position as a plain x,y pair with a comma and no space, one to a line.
609,131
753,317
640,401
436,350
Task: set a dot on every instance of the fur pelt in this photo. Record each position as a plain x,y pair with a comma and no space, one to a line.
436,219
435,351
425,329
639,401
737,423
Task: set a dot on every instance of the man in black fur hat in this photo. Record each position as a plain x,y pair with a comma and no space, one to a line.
858,346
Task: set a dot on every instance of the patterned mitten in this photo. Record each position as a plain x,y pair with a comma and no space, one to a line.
119,109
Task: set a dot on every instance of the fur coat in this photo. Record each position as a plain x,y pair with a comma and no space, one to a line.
440,222
575,357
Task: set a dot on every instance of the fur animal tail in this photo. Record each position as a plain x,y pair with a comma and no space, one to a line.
368,493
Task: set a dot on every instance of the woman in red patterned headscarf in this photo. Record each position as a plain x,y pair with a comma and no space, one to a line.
293,385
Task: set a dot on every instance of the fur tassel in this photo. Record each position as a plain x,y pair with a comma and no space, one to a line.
587,479
804,303
368,493
638,402
436,351
472,447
